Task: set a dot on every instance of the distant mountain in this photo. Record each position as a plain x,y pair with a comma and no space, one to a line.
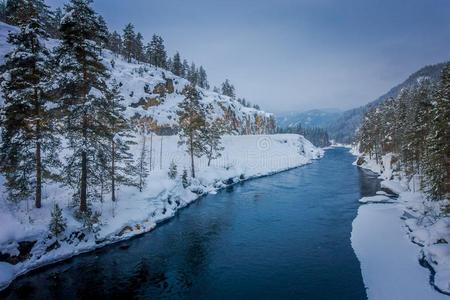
311,118
344,127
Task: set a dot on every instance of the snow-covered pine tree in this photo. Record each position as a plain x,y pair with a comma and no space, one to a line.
192,74
129,37
169,64
3,15
28,145
138,51
57,223
141,166
157,52
55,23
115,43
185,179
437,163
203,78
177,66
121,159
81,80
228,89
191,119
212,139
172,170
185,69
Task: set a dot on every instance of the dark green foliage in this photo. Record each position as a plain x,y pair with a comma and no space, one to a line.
156,52
177,66
211,138
57,222
228,89
185,179
128,42
28,145
317,136
83,98
191,119
415,126
172,170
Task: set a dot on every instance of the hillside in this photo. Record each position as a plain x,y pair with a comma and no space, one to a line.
343,129
311,118
154,93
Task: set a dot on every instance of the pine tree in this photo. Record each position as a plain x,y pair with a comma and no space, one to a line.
437,168
169,64
115,43
57,222
141,167
121,169
203,78
185,69
191,119
212,136
3,11
28,142
55,22
138,51
157,53
192,74
81,80
177,66
185,179
129,38
172,170
228,89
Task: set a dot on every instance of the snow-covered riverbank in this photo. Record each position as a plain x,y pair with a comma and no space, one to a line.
24,237
393,239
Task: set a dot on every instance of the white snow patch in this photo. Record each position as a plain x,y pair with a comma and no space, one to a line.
389,261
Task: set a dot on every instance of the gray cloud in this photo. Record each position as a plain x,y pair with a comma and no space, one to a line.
296,55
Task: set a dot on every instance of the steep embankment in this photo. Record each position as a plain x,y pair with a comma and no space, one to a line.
344,128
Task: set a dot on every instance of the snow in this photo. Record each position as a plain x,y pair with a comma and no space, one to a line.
389,261
137,212
390,239
375,199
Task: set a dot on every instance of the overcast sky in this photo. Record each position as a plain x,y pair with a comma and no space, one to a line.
289,55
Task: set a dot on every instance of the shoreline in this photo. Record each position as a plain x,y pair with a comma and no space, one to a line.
414,275
135,229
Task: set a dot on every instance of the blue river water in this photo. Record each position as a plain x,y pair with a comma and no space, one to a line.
285,236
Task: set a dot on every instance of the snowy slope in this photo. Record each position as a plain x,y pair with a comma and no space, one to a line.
155,93
151,94
137,212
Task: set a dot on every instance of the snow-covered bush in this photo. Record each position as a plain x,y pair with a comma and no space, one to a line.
185,179
172,170
57,222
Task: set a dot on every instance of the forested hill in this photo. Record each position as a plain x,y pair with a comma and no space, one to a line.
344,128
153,93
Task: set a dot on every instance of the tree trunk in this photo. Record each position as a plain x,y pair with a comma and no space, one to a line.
160,154
210,155
83,183
38,195
192,155
151,151
113,173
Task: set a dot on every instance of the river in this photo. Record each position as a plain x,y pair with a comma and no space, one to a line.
276,237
